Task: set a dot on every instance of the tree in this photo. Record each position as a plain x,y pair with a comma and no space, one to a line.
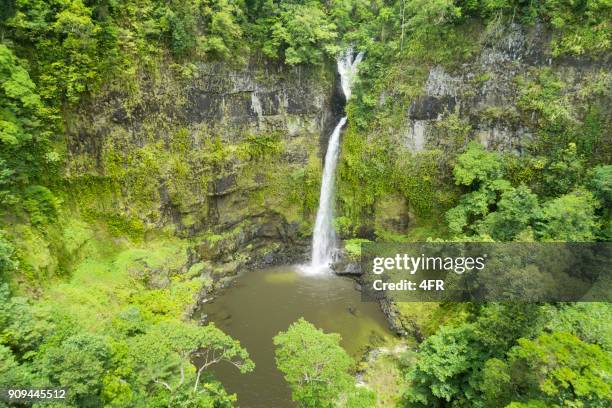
210,27
602,183
17,337
67,48
589,321
581,28
495,384
476,166
516,210
12,374
482,172
23,143
79,363
19,328
570,217
314,364
165,353
442,370
500,325
564,172
303,32
601,186
7,257
460,365
467,216
560,369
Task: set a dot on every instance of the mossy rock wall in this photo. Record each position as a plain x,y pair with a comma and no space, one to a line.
205,150
500,85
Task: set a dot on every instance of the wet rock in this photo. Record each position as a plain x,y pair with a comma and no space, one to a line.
268,259
269,229
441,84
430,107
393,317
120,115
224,185
345,267
486,85
414,138
158,280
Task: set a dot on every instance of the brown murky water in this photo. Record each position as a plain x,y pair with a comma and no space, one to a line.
261,303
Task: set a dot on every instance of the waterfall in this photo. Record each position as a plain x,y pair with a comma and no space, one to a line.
324,235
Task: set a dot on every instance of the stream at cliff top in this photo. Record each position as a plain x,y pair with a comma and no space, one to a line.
261,303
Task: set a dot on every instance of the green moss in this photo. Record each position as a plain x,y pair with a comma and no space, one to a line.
256,147
390,236
119,225
214,238
365,171
424,179
493,115
75,234
114,275
384,376
159,258
483,77
302,187
427,317
173,301
196,269
353,247
38,263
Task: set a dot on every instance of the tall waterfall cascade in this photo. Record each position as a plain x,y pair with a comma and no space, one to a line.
324,235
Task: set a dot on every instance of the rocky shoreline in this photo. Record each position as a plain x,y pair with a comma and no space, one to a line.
223,269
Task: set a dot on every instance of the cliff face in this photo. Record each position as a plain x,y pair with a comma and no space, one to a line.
510,93
232,153
487,92
211,149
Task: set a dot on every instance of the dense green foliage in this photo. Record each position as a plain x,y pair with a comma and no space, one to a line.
113,339
554,190
404,40
491,361
317,368
59,52
517,355
95,300
24,149
496,209
314,364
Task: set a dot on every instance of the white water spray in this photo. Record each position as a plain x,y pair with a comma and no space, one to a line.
324,236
